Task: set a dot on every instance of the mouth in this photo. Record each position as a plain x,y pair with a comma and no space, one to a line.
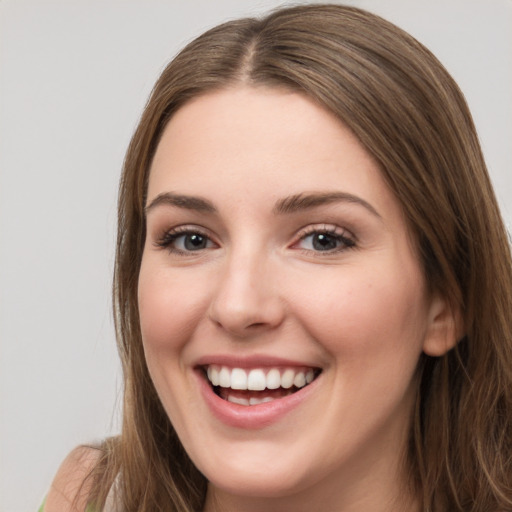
250,387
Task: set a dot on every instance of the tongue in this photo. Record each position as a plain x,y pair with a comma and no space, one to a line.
270,393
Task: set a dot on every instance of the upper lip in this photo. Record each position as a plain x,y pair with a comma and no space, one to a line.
252,361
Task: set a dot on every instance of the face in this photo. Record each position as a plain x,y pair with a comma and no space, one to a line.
282,305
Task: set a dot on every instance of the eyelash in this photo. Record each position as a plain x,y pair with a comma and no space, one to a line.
342,237
167,240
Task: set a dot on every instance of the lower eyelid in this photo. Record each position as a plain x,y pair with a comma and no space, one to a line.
345,240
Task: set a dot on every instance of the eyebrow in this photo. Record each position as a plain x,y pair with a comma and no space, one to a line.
291,204
181,201
299,202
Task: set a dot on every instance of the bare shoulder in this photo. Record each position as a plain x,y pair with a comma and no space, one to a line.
67,492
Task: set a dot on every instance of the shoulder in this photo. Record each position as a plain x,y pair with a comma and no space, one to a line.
68,493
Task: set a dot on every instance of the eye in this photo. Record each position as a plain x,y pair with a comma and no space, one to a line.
327,240
185,240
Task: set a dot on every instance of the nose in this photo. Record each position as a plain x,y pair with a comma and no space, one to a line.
246,300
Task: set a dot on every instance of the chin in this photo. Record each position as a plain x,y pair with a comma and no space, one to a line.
263,483
261,472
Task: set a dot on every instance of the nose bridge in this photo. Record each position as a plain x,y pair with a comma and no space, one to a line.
246,298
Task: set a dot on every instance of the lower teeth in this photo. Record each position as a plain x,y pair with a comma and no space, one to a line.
258,397
250,401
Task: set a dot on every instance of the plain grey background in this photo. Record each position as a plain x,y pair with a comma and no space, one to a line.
74,76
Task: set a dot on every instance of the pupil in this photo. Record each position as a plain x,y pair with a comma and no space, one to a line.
194,242
323,242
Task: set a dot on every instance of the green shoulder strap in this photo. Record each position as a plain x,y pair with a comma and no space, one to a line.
41,508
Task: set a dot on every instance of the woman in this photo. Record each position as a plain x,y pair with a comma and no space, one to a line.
312,284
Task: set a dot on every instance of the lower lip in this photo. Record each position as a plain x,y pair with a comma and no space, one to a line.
252,416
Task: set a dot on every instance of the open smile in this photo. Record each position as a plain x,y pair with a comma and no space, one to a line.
255,386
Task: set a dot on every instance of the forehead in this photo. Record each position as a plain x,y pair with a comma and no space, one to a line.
248,134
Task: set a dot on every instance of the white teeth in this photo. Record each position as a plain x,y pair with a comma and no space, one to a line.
239,401
274,379
300,380
213,375
250,401
287,379
224,378
256,401
257,379
239,379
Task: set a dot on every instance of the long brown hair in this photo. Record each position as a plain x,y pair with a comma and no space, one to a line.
410,115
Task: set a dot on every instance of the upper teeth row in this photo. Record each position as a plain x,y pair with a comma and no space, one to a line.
258,379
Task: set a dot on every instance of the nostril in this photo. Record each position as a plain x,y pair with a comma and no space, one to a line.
255,325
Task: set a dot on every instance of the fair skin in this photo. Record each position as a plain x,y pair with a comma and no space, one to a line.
67,492
274,245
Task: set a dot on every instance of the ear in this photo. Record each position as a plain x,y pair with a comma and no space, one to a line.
445,327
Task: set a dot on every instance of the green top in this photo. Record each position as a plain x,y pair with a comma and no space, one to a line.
41,508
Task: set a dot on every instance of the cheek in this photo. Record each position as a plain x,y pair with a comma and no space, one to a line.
170,306
372,327
364,313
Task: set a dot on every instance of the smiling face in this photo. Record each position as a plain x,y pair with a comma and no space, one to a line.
282,306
